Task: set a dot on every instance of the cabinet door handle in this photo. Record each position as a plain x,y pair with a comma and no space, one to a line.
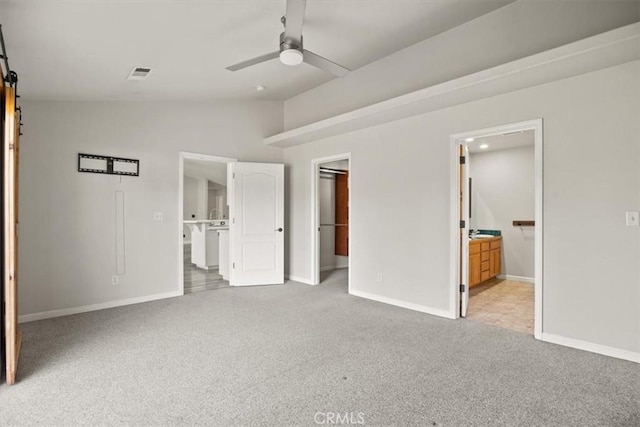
279,229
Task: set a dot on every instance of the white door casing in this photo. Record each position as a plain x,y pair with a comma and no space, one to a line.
256,208
464,296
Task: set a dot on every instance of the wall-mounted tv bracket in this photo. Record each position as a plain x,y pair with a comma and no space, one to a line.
94,163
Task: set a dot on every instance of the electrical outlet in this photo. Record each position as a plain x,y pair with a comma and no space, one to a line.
115,280
633,219
158,216
379,277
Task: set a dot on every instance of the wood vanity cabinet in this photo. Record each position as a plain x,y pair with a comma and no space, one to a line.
485,257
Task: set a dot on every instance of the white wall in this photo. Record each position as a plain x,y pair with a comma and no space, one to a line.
400,184
503,190
515,31
214,193
189,203
67,219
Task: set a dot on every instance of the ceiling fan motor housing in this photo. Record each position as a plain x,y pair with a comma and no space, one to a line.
289,44
290,51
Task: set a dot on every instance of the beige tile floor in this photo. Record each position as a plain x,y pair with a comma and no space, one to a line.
504,303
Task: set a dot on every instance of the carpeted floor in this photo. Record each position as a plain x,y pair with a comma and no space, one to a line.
295,354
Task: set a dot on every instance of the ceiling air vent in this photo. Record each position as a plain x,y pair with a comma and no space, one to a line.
139,73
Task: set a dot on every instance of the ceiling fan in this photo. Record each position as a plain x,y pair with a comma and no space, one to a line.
291,51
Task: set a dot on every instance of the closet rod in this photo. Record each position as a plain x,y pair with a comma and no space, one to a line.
334,171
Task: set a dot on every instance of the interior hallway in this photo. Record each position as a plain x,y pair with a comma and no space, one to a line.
277,355
505,303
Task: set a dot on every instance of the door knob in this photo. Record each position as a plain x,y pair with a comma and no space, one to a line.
279,229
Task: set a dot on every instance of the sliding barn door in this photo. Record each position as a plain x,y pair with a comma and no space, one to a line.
10,146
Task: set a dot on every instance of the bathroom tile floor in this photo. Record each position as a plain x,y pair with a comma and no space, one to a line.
504,303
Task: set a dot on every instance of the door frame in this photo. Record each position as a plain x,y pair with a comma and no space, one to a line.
455,141
182,156
315,215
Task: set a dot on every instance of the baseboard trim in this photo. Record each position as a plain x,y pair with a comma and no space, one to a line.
403,304
517,278
591,347
333,267
298,279
94,307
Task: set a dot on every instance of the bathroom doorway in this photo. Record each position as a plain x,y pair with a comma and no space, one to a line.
498,233
203,221
331,213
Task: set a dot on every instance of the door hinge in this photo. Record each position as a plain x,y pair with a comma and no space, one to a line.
462,160
234,265
462,287
234,220
234,175
462,223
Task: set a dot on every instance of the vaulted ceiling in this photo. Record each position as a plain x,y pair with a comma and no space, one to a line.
84,49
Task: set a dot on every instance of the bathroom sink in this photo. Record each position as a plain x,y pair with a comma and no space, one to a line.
483,236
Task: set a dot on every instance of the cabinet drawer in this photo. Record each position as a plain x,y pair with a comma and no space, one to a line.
485,275
484,266
485,246
474,248
496,244
484,256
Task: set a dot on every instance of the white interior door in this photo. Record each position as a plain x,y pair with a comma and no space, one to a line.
256,210
464,231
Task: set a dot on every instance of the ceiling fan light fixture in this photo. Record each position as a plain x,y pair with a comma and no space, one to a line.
291,57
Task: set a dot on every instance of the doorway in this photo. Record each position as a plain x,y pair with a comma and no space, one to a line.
331,205
203,221
497,216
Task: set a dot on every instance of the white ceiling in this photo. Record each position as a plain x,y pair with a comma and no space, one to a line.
502,142
84,49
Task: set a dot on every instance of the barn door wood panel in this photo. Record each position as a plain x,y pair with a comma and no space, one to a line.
10,148
342,214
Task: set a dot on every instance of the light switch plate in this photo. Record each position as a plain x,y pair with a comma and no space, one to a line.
158,216
633,219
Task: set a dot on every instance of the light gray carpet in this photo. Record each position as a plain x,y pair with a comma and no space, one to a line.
279,355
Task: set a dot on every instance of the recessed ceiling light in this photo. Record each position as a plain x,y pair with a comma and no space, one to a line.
484,146
260,88
469,140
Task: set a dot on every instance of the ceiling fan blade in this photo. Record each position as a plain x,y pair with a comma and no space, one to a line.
250,62
294,20
324,64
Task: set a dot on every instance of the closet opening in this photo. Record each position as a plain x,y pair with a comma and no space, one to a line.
331,208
